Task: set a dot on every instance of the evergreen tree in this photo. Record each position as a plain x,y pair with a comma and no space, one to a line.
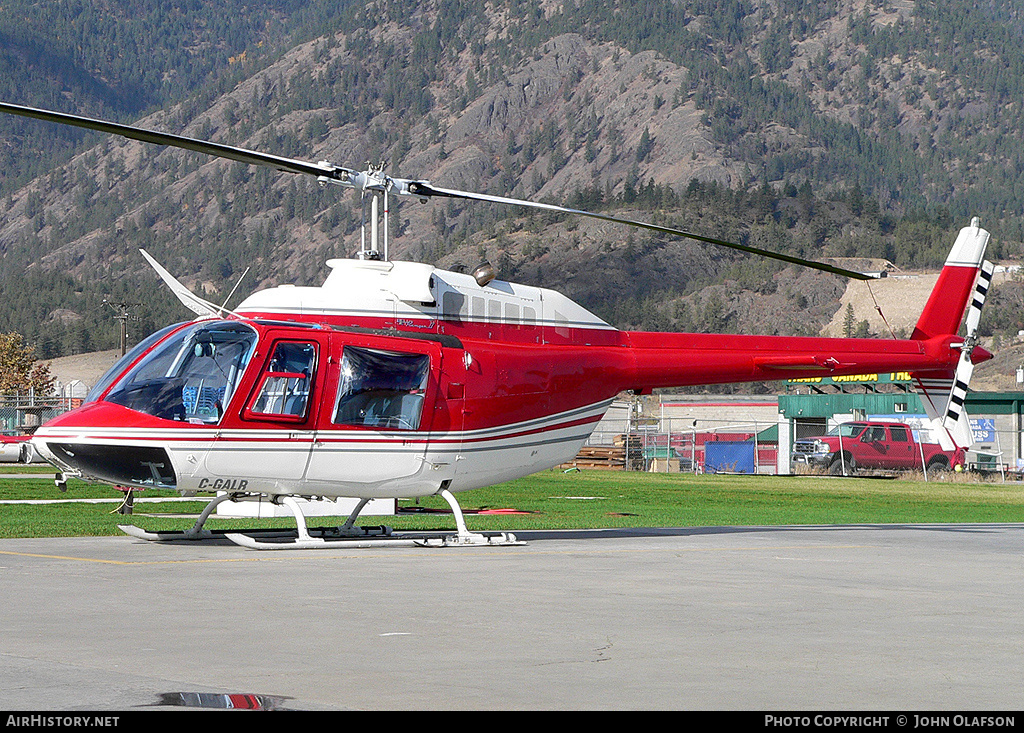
848,321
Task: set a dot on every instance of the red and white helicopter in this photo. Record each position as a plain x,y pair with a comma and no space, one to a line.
399,379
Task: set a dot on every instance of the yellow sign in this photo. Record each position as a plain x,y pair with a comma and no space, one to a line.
854,378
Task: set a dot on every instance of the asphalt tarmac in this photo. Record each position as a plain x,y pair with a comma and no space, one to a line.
925,617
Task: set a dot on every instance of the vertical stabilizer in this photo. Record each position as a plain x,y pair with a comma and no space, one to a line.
944,311
943,393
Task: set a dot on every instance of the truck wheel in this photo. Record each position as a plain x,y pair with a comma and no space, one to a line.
938,465
836,467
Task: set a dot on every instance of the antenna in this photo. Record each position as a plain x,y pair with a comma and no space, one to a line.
224,306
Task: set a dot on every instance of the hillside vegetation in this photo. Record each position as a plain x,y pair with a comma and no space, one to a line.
823,129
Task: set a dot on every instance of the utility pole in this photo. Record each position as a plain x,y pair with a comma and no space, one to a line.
123,311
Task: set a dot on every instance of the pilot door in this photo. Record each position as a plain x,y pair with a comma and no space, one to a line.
375,414
270,438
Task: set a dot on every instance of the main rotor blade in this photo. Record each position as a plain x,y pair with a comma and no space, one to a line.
425,189
374,179
241,155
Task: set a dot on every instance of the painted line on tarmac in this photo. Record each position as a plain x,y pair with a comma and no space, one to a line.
130,562
309,554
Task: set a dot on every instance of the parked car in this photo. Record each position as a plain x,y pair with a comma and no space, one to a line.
17,449
882,445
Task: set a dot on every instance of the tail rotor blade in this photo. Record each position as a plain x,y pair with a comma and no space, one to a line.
958,392
955,420
965,367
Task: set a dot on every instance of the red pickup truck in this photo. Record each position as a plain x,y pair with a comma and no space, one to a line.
883,445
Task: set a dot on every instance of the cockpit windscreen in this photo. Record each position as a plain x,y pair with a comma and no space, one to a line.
190,376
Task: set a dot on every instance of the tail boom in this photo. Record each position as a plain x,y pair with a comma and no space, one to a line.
663,360
940,362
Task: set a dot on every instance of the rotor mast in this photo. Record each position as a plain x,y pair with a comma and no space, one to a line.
372,182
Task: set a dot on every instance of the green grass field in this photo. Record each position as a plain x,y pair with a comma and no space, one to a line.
578,500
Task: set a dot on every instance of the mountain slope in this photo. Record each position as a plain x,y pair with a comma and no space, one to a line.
822,129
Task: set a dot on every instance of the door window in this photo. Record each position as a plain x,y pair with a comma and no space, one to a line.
874,435
284,386
381,389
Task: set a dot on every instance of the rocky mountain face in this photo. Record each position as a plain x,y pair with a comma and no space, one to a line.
821,129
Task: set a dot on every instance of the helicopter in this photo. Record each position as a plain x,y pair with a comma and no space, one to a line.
398,379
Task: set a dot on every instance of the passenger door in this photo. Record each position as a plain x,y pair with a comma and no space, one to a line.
375,412
445,450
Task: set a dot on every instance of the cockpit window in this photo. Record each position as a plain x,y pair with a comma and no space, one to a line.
190,376
134,353
381,389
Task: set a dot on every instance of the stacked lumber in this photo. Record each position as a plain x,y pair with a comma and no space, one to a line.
609,458
634,444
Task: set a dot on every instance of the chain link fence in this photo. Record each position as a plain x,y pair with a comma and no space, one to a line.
21,414
715,446
674,445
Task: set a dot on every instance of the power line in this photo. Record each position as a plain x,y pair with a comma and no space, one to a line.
123,310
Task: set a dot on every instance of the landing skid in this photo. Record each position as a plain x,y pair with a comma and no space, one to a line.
196,532
347,535
410,539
